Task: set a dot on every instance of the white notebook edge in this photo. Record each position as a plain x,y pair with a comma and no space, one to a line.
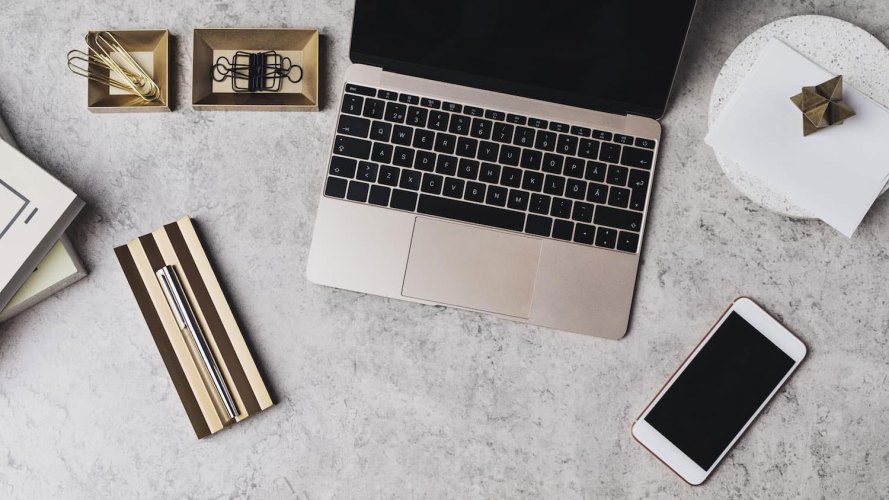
36,289
36,260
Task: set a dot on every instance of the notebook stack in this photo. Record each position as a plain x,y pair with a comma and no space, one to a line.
36,258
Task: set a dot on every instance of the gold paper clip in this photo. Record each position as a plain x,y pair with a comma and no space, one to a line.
126,75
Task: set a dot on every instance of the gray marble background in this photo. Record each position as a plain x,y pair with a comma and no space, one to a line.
385,399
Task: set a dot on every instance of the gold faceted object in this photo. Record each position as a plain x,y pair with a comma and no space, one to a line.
822,106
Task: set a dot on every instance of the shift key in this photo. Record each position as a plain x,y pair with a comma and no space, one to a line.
351,147
615,217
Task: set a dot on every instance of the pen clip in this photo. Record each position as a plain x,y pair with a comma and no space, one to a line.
167,279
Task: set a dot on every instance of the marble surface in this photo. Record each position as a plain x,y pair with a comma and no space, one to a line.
386,399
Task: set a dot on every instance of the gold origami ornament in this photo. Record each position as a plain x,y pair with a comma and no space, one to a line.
822,106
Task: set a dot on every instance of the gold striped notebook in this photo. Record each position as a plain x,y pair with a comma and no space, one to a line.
191,368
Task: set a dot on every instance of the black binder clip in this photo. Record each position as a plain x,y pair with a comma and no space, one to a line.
256,71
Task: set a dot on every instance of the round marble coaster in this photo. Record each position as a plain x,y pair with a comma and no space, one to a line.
838,46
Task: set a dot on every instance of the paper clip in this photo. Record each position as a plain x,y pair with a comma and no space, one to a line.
125,75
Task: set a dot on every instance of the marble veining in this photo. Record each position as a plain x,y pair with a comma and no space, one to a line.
385,399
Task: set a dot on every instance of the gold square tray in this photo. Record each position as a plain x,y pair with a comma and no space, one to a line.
301,45
151,45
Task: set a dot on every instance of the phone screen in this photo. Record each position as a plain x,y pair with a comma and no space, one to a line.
719,391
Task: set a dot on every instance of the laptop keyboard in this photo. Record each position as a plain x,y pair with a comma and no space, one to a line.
492,168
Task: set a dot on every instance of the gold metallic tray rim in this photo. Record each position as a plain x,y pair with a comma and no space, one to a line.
164,104
313,105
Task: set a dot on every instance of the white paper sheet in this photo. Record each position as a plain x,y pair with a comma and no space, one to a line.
836,173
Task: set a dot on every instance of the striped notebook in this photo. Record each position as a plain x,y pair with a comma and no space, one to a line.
177,244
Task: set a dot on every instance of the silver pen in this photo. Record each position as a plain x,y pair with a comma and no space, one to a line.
184,314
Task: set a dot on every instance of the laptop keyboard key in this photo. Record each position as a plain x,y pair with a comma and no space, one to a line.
574,167
495,115
583,212
617,175
628,242
417,116
424,139
432,183
468,169
402,135
563,229
459,124
639,158
374,108
367,171
445,143
471,212
342,167
381,131
496,196
404,157
623,139
581,131
567,145
584,233
532,181
360,89
388,175
467,147
430,103
605,237
518,199
552,163
509,155
597,193
453,107
517,119
588,149
387,94
336,187
609,152
403,200
595,171
425,161
619,197
644,143
475,191
618,218
410,179
537,123
511,177
545,141
352,147
382,153
353,125
358,191
488,151
379,195
481,128
554,185
524,137
490,173
438,120
453,188
352,104
536,224
539,204
576,189
561,208
531,159
602,135
446,165
502,132
395,112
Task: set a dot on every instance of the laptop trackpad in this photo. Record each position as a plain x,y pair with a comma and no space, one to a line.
471,267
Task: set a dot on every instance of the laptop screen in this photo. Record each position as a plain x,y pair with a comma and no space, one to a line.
617,56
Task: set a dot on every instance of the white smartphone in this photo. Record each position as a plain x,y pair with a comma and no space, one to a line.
719,390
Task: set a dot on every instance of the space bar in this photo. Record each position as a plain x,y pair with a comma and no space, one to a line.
471,212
